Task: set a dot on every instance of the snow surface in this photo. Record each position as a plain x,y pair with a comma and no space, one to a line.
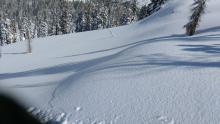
145,73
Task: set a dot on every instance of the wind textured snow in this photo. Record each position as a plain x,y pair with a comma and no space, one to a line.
148,72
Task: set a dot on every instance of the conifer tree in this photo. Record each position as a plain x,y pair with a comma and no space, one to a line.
23,27
8,30
43,29
198,10
87,24
80,22
151,8
143,12
64,19
14,31
103,18
134,8
95,20
2,33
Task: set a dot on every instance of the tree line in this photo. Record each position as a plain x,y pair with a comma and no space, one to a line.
23,19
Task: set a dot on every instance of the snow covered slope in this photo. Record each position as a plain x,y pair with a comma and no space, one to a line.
145,73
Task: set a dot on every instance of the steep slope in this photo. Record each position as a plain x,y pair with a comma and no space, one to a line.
147,72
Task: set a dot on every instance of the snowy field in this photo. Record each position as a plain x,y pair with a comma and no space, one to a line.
145,73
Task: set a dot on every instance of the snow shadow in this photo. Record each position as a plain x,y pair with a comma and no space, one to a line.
159,61
86,65
211,29
63,68
145,41
174,37
39,72
211,49
15,53
175,63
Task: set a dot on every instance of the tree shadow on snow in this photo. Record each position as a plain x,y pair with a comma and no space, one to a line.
175,37
211,49
62,68
90,65
15,53
211,29
161,60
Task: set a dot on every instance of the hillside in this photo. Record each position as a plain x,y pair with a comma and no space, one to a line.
147,72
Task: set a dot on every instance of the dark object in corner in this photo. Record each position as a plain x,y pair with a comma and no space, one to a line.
13,113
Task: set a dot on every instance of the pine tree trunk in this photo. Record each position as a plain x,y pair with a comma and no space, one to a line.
29,48
0,52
